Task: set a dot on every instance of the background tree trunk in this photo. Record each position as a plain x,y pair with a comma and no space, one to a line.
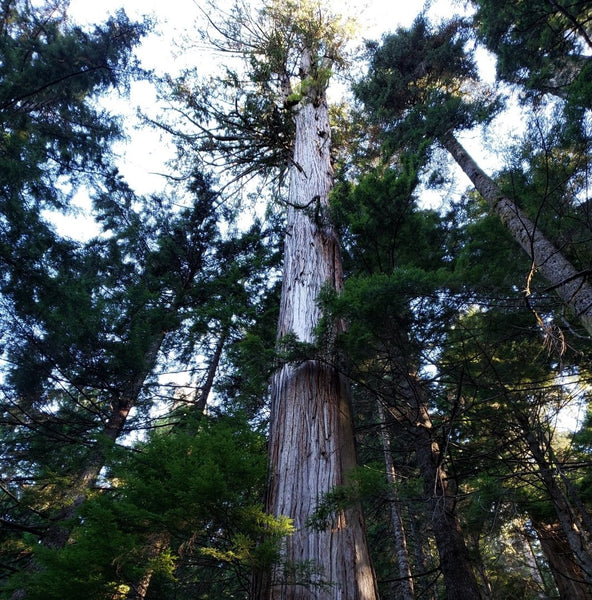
567,574
574,529
455,563
58,532
418,536
570,285
403,588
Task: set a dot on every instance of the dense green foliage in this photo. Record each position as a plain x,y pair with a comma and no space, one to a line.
205,478
544,46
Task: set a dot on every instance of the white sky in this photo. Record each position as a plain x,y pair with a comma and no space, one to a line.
381,15
174,17
143,159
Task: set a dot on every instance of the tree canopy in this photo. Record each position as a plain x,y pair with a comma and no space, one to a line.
343,352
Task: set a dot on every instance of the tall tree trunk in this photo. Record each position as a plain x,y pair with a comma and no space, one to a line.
455,562
403,588
419,538
56,535
160,541
570,285
575,531
566,572
311,433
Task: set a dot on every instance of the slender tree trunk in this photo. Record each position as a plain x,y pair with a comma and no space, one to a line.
160,541
571,492
480,568
570,285
455,562
56,535
202,395
575,531
524,543
419,538
311,434
566,572
404,587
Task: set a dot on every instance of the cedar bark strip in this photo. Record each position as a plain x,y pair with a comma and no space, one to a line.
570,285
311,439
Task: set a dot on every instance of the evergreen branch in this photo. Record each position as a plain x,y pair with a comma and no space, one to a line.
9,103
39,531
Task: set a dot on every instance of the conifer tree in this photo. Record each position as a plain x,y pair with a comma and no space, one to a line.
277,124
397,253
544,46
417,88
